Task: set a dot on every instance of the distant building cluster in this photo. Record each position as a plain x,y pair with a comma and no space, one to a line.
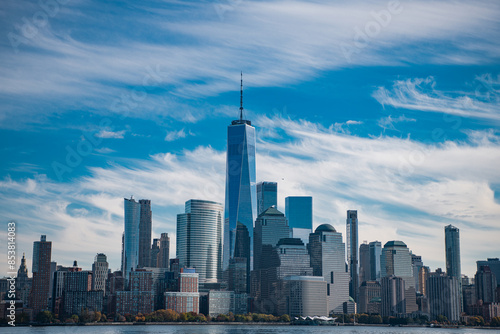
248,256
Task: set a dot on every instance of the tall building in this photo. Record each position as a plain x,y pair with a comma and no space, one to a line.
78,295
364,263
494,264
453,267
199,241
423,274
396,261
299,212
164,255
375,253
369,297
145,233
267,196
130,257
305,296
393,296
100,272
187,298
241,202
486,285
327,255
416,264
140,297
352,251
23,283
270,227
444,297
39,296
155,254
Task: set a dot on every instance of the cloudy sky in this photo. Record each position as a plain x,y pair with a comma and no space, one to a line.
391,108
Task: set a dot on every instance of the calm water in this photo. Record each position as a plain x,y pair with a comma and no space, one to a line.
231,329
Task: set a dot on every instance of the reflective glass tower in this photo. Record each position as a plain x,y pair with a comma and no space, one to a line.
452,244
199,234
352,251
267,196
299,212
130,256
240,207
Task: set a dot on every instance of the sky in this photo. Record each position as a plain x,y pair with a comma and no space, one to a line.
389,108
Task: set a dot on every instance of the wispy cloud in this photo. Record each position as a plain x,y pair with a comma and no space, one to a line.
110,134
174,135
104,150
387,123
421,94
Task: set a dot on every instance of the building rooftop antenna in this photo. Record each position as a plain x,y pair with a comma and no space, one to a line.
241,97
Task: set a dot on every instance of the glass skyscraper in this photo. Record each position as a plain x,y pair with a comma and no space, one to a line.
241,203
352,251
199,239
145,233
130,256
375,252
267,196
452,244
299,212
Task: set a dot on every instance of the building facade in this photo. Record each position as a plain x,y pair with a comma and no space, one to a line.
352,252
375,252
100,272
364,263
453,265
199,239
39,296
444,296
299,212
393,296
267,196
145,226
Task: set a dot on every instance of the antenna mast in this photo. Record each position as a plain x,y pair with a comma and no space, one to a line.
241,97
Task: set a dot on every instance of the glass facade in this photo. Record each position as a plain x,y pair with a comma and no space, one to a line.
396,260
375,252
352,251
130,258
199,239
267,196
145,233
240,206
299,212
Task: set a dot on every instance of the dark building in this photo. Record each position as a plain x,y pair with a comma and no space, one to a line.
486,285
364,263
494,264
164,257
145,233
369,297
267,196
155,251
352,252
393,297
39,296
443,296
140,297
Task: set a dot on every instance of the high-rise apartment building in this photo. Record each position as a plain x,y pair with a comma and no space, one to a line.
100,272
299,212
39,296
145,233
493,264
164,255
352,252
187,298
364,263
267,196
443,295
453,266
241,202
199,241
393,296
155,254
327,254
486,285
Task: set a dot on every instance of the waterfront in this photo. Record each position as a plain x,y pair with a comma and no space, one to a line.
240,329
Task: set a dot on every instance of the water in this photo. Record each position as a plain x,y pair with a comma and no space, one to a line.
240,329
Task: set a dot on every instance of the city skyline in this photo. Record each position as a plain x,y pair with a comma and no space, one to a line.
408,140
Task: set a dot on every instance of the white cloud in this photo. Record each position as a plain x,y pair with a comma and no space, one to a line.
421,94
104,150
110,134
350,122
387,123
401,188
174,135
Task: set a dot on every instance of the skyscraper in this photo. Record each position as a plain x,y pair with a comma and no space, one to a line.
494,264
299,212
327,253
155,254
267,196
199,244
240,207
486,285
416,264
39,296
99,272
444,297
270,227
352,251
375,252
145,226
393,296
164,255
364,263
130,257
453,267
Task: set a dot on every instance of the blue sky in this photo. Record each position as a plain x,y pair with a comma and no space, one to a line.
390,108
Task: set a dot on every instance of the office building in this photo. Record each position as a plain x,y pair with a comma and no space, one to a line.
327,256
299,212
130,257
100,272
416,264
270,227
444,297
486,285
369,297
494,265
364,263
155,254
39,296
199,241
453,266
423,274
267,196
375,253
305,296
352,252
164,255
241,202
145,226
393,296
